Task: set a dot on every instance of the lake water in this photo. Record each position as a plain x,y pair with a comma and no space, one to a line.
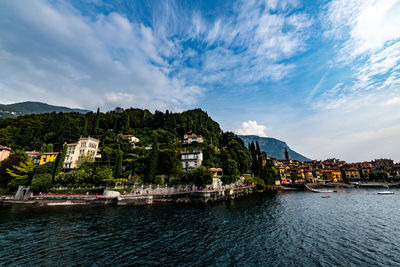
354,227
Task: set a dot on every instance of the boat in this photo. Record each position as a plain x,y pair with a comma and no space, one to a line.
319,190
386,193
386,185
325,197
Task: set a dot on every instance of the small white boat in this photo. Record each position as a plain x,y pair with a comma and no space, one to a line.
385,193
319,190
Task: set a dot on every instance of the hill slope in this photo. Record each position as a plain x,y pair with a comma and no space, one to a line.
273,147
14,110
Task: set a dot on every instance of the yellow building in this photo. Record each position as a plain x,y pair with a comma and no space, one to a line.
48,157
331,175
282,171
337,176
352,173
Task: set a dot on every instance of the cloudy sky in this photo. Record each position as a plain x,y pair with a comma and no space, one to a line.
324,76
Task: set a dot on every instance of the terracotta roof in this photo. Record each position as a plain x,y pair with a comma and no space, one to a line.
5,148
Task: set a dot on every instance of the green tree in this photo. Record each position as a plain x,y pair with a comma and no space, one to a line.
200,176
118,163
15,159
85,127
108,152
168,162
50,147
102,175
97,121
43,148
20,173
153,162
231,169
41,182
59,163
127,124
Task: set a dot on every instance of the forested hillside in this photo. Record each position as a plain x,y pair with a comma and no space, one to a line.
154,159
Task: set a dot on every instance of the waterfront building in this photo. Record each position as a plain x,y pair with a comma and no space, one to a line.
308,174
332,175
190,137
85,147
4,152
47,157
352,173
34,156
191,158
366,168
383,164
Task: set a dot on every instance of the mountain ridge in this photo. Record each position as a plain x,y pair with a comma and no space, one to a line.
31,107
274,148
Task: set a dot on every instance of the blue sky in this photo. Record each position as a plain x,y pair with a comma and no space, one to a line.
324,76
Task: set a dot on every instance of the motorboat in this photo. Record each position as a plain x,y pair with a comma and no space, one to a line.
386,193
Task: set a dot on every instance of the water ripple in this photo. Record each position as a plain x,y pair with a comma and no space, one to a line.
353,228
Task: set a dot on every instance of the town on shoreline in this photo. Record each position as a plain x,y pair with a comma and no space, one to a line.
153,163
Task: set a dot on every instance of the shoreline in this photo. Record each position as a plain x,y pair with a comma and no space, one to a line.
206,196
203,196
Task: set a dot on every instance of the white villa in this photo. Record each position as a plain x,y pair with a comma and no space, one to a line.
191,159
132,139
86,146
191,137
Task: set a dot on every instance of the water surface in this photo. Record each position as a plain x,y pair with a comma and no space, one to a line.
353,227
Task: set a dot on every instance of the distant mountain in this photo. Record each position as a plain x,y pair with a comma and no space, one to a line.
14,110
273,147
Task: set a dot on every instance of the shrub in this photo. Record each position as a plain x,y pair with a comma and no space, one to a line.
159,180
228,179
201,176
174,181
261,186
41,182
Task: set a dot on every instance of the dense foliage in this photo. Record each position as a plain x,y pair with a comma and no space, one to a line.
154,159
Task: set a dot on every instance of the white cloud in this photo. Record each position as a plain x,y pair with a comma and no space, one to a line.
367,24
394,100
89,61
368,42
54,54
252,128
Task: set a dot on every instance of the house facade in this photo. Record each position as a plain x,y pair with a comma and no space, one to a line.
191,158
191,137
85,147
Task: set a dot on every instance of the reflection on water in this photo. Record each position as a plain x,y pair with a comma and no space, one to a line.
353,227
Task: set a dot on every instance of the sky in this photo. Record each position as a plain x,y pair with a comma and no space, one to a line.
323,76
